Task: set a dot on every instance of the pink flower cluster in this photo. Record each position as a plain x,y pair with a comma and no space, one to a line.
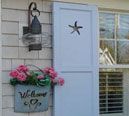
53,74
19,73
22,72
61,81
22,68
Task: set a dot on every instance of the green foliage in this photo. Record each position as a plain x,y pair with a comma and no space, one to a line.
13,81
32,80
44,82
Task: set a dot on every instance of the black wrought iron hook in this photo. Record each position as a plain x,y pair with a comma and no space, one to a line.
30,11
35,5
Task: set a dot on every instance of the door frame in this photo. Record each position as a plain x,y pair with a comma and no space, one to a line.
0,64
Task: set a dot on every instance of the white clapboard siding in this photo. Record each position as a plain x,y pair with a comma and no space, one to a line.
76,60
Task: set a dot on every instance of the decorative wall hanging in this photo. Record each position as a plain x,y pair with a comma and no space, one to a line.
29,98
32,88
75,28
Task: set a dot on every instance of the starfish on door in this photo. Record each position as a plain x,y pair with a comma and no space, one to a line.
75,28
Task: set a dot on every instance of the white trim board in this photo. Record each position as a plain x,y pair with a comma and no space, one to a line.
0,64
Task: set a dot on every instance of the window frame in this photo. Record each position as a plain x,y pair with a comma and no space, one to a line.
121,66
124,67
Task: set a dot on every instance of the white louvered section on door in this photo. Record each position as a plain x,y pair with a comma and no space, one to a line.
111,92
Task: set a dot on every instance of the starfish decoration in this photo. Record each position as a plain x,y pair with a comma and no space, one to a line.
75,28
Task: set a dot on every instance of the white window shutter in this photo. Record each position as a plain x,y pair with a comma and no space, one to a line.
76,59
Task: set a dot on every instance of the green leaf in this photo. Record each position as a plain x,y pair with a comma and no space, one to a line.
13,81
44,82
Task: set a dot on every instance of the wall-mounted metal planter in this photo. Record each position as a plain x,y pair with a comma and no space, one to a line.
29,98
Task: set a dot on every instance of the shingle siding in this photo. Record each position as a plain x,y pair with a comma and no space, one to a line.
14,52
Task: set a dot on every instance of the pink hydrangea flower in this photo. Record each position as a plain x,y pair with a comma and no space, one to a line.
21,77
61,81
53,74
46,70
22,73
50,68
14,73
22,68
40,77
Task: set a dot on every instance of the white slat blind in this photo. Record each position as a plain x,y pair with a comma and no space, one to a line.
111,92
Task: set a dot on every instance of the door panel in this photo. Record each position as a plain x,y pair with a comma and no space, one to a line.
73,93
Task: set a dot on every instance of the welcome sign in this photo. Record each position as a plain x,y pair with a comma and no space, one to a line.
29,98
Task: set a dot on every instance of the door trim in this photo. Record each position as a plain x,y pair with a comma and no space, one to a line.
0,65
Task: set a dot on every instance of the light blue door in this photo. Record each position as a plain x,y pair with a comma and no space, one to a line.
76,59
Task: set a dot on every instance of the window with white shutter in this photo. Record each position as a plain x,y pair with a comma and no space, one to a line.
111,92
114,63
114,38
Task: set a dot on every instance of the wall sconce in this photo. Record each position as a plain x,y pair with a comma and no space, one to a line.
32,34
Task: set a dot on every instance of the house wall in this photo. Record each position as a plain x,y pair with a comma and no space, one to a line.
14,14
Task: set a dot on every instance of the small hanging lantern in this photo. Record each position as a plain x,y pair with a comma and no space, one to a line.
32,35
